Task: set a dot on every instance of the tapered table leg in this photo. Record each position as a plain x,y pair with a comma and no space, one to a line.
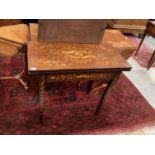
24,50
151,60
41,96
106,92
141,42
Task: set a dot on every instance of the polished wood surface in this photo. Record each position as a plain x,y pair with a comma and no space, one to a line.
150,29
15,33
55,57
119,41
129,25
71,30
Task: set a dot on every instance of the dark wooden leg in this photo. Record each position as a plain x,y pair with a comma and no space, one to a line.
41,96
106,92
26,64
151,60
89,86
141,42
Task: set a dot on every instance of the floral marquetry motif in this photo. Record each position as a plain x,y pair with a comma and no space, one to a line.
78,55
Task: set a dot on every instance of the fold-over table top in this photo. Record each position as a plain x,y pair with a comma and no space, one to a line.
69,57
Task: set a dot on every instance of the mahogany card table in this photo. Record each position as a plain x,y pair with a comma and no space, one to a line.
60,62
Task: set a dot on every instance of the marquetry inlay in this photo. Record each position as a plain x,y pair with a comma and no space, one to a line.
78,55
74,55
103,76
48,56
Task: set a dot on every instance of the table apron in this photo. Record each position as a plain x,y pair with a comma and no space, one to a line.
80,76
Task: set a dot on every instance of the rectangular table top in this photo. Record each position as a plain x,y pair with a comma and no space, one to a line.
48,57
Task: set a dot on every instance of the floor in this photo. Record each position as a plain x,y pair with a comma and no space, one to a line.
144,80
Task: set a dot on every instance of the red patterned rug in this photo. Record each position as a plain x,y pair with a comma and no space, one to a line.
70,111
144,53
